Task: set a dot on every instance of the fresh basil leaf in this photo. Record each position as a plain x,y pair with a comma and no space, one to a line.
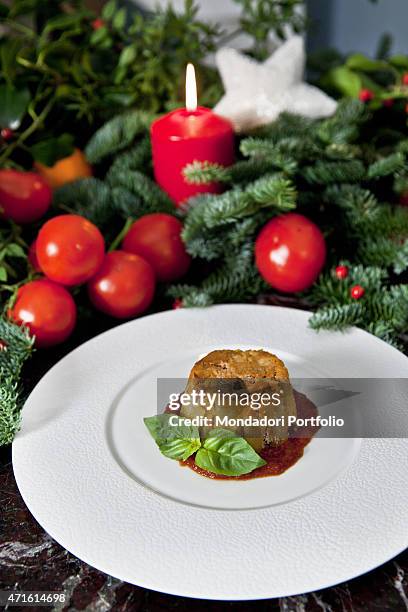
180,448
174,441
227,455
157,424
222,433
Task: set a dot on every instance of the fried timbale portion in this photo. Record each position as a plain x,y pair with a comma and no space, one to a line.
238,372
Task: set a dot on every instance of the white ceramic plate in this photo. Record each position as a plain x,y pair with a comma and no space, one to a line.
94,479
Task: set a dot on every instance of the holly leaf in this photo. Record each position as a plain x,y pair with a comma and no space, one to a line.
49,151
13,106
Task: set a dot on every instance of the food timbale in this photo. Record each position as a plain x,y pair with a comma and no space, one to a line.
237,388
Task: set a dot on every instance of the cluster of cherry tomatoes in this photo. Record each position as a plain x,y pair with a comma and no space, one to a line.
70,251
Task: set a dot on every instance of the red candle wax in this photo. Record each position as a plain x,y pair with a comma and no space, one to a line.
184,136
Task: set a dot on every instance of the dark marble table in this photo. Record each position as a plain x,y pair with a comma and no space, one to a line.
31,560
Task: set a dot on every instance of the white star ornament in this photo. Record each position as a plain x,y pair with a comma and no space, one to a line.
256,93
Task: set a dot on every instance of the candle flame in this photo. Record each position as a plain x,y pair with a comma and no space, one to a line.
191,89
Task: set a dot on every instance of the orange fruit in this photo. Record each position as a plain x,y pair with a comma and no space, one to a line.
65,170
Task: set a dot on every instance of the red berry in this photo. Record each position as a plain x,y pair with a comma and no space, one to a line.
366,95
342,272
7,134
3,346
178,303
97,23
405,78
388,102
403,199
357,292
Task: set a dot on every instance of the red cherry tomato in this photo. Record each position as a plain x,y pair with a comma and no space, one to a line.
47,309
70,249
157,239
32,256
290,252
124,285
24,196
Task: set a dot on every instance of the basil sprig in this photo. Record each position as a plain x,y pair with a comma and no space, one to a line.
174,441
222,452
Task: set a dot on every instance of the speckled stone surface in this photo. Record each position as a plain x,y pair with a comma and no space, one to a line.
31,560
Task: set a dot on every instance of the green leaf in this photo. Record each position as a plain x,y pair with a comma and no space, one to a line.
358,61
226,454
9,49
3,274
51,150
100,36
400,61
119,19
345,80
180,449
13,105
109,10
174,441
127,56
65,21
15,250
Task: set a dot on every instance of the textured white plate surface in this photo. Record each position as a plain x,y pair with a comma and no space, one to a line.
83,479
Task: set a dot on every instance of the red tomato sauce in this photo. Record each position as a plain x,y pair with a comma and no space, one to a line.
278,458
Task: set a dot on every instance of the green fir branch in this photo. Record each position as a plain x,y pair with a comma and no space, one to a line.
117,134
337,317
386,166
16,348
89,197
139,157
141,186
204,172
328,172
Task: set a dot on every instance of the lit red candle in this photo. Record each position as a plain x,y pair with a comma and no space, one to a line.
185,135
